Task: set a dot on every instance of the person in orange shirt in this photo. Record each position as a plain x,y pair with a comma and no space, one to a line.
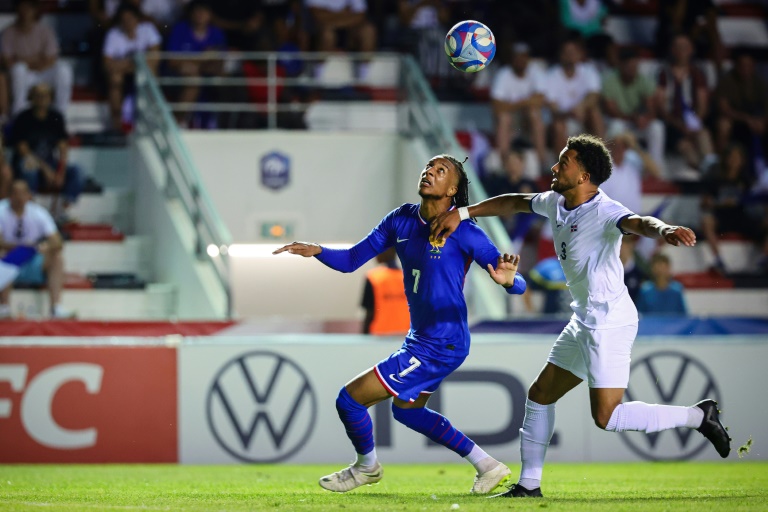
386,307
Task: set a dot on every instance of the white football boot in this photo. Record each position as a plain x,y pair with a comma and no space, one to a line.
492,480
351,478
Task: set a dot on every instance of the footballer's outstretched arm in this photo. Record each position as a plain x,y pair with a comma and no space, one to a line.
447,222
343,260
652,227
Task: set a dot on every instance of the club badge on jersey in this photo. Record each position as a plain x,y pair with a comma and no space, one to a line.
437,244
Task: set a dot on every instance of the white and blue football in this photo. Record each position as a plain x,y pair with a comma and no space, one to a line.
470,46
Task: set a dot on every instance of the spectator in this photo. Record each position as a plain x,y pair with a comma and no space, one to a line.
662,295
6,174
628,97
630,162
31,52
584,16
573,93
695,19
513,182
244,24
24,223
425,27
162,13
386,307
742,101
682,98
333,17
518,97
195,35
634,274
130,35
41,150
724,208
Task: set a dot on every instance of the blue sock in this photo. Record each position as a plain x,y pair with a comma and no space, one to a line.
436,427
356,421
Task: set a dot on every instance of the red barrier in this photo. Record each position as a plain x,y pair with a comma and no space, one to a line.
88,404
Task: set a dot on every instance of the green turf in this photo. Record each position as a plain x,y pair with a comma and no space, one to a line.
738,485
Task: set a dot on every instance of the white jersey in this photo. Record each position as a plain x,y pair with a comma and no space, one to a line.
587,241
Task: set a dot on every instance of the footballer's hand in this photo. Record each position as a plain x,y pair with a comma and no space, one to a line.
676,235
445,224
301,248
506,268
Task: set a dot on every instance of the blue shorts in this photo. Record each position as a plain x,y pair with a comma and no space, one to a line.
406,376
32,273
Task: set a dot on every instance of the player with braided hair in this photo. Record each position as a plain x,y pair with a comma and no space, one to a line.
438,340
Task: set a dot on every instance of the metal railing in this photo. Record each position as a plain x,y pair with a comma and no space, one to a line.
182,179
419,116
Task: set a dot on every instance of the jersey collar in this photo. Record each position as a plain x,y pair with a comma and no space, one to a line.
582,204
423,222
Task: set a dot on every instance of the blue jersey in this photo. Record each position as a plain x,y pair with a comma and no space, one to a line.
433,273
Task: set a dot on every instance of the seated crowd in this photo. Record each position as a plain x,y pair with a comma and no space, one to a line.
688,109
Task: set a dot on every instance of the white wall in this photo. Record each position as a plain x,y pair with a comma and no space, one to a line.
341,185
171,234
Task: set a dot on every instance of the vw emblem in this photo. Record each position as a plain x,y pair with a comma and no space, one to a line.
261,407
669,378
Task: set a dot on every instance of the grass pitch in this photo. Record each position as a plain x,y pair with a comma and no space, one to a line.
727,486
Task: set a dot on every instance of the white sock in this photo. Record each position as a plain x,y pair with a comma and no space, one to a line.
368,459
651,418
538,426
481,460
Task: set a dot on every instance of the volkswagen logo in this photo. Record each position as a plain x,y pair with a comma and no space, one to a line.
261,407
669,378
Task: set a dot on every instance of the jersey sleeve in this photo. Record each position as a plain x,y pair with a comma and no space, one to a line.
480,248
540,204
349,260
613,213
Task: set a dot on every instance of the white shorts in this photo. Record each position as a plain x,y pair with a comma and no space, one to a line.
599,356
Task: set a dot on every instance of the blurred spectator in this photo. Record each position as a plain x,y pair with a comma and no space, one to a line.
517,95
536,23
287,25
583,16
243,23
384,300
573,93
634,274
31,52
425,28
24,223
630,162
697,20
683,99
587,17
41,149
162,13
742,101
662,295
6,174
512,182
724,207
129,36
195,34
332,18
629,103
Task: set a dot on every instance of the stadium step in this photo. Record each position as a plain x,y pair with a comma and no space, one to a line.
127,256
740,256
156,301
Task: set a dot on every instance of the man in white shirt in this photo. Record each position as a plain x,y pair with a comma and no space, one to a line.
573,94
24,223
597,342
517,95
129,36
630,162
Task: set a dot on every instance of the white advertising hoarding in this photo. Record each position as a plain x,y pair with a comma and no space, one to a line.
272,399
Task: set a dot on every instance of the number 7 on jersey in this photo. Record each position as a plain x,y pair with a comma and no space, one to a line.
417,274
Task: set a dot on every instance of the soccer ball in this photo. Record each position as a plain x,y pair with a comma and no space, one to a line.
470,46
